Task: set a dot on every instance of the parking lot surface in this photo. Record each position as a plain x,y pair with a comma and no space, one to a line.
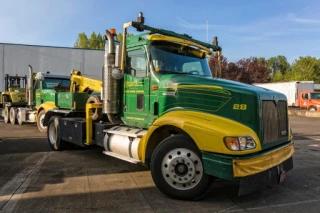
35,179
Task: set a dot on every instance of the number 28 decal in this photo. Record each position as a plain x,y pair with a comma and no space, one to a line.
240,106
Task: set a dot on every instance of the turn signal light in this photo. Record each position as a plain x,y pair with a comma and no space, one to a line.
232,143
239,143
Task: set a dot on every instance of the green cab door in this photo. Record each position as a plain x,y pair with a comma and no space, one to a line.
136,101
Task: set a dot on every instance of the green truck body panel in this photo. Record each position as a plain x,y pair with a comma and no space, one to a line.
44,95
67,100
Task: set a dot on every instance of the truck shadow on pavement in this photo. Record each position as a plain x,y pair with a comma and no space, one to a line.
298,136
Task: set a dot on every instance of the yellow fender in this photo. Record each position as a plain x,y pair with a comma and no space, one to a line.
47,106
206,130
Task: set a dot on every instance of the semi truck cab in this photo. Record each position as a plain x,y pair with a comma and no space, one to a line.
310,101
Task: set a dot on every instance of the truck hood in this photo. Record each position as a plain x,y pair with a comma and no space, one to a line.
237,101
203,85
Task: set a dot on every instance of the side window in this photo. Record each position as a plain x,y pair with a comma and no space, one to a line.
137,63
305,96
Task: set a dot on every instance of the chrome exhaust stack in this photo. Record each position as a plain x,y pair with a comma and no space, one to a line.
30,87
111,84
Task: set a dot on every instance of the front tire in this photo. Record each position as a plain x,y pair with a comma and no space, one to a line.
40,119
53,134
177,169
6,115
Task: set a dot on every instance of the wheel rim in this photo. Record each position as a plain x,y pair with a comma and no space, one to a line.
52,134
312,110
41,120
182,169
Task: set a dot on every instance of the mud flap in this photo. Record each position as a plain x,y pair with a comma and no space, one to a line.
268,178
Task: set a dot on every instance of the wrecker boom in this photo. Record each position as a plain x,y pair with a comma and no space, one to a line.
79,83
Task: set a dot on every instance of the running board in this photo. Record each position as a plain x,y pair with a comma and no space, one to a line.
125,158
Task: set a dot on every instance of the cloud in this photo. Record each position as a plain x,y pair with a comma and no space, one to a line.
282,26
303,20
185,24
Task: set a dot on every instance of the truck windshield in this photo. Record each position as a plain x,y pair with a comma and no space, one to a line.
51,83
314,95
168,57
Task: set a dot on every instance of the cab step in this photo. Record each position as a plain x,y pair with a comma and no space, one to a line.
122,157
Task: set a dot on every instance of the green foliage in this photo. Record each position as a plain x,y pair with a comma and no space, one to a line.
277,76
100,41
95,42
278,63
308,68
303,69
247,70
120,36
82,41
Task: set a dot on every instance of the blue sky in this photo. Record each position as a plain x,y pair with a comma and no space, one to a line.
260,28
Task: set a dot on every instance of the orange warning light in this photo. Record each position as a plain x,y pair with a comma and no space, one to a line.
113,31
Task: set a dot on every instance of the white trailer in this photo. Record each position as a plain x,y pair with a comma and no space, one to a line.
290,89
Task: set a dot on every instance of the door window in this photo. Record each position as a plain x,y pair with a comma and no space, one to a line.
305,96
137,63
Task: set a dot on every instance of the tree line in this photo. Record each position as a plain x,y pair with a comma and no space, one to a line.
247,70
96,41
262,70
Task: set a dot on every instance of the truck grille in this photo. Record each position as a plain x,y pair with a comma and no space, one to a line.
275,120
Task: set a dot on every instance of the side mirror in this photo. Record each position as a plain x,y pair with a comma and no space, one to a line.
116,72
118,55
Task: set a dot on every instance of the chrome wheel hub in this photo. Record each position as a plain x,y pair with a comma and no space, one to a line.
182,169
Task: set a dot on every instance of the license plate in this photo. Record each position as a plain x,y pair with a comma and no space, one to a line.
283,176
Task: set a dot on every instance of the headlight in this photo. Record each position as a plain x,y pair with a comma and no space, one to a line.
239,143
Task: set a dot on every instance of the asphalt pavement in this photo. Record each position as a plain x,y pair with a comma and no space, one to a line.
33,178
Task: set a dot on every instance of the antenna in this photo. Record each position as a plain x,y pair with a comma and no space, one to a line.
207,29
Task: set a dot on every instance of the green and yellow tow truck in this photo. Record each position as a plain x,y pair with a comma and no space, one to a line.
162,108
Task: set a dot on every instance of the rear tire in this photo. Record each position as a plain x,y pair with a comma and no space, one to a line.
53,134
313,109
40,119
19,116
13,115
6,115
177,169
